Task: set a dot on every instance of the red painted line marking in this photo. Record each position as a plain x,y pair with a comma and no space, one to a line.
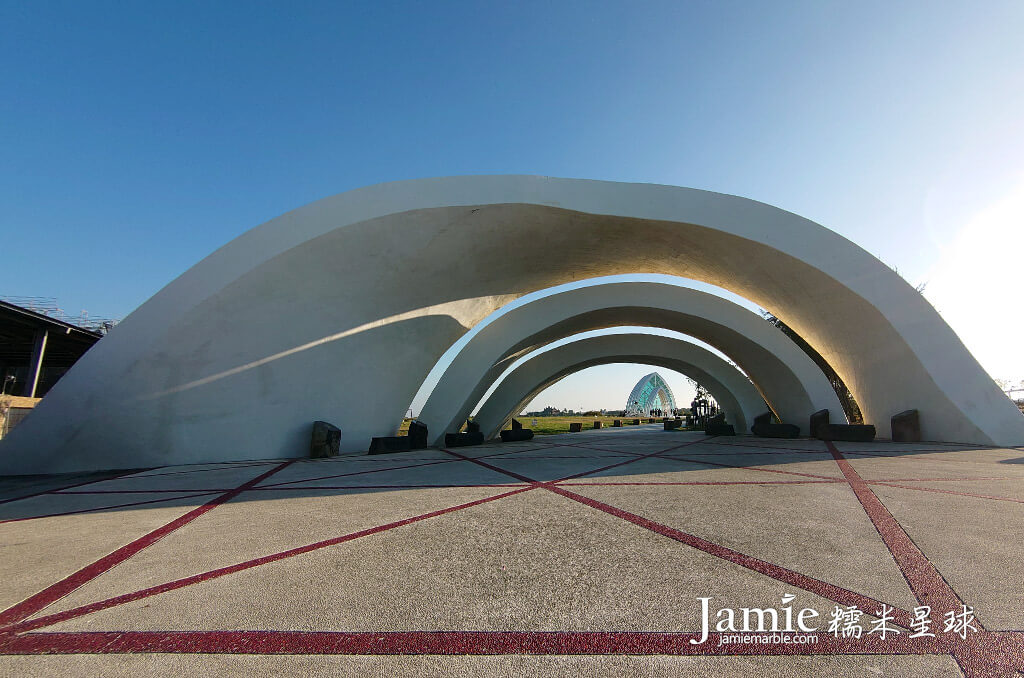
523,478
816,586
212,490
55,592
68,487
871,481
933,489
925,581
753,468
718,482
565,456
105,508
390,468
378,487
451,643
146,474
358,473
239,567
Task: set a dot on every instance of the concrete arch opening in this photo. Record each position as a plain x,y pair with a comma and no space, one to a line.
734,393
789,381
339,309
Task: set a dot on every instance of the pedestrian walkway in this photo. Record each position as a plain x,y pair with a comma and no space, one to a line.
580,554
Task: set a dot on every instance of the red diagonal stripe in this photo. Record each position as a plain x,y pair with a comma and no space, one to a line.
459,643
47,596
108,508
925,581
933,489
246,565
815,586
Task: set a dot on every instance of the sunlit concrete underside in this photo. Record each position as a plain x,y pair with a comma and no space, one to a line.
789,381
339,309
426,555
734,393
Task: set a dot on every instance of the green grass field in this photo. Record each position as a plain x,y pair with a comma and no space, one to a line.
550,425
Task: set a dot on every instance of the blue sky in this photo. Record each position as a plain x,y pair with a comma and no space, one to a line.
138,137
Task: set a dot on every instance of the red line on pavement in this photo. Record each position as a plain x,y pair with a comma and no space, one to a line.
933,489
925,581
816,586
393,468
715,482
454,486
68,487
239,567
107,508
55,592
146,472
451,643
212,490
753,468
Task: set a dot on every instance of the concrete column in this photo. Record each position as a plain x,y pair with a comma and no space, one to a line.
36,366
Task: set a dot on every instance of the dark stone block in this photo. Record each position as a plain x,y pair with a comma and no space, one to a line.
516,426
463,439
472,427
387,445
851,433
636,422
617,423
819,418
326,440
716,426
906,427
516,434
764,428
672,424
417,435
598,424
575,427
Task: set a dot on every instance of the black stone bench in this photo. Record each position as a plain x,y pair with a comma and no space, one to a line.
598,424
850,433
764,428
672,424
416,440
463,439
575,427
819,418
716,426
617,423
389,444
906,427
326,440
516,433
636,422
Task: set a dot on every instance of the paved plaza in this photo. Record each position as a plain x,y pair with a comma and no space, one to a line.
578,554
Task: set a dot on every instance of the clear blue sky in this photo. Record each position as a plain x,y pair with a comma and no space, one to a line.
138,137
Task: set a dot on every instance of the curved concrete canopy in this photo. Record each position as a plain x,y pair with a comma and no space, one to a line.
734,393
792,385
339,309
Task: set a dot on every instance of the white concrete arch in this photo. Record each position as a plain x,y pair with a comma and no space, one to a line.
787,378
339,309
735,395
